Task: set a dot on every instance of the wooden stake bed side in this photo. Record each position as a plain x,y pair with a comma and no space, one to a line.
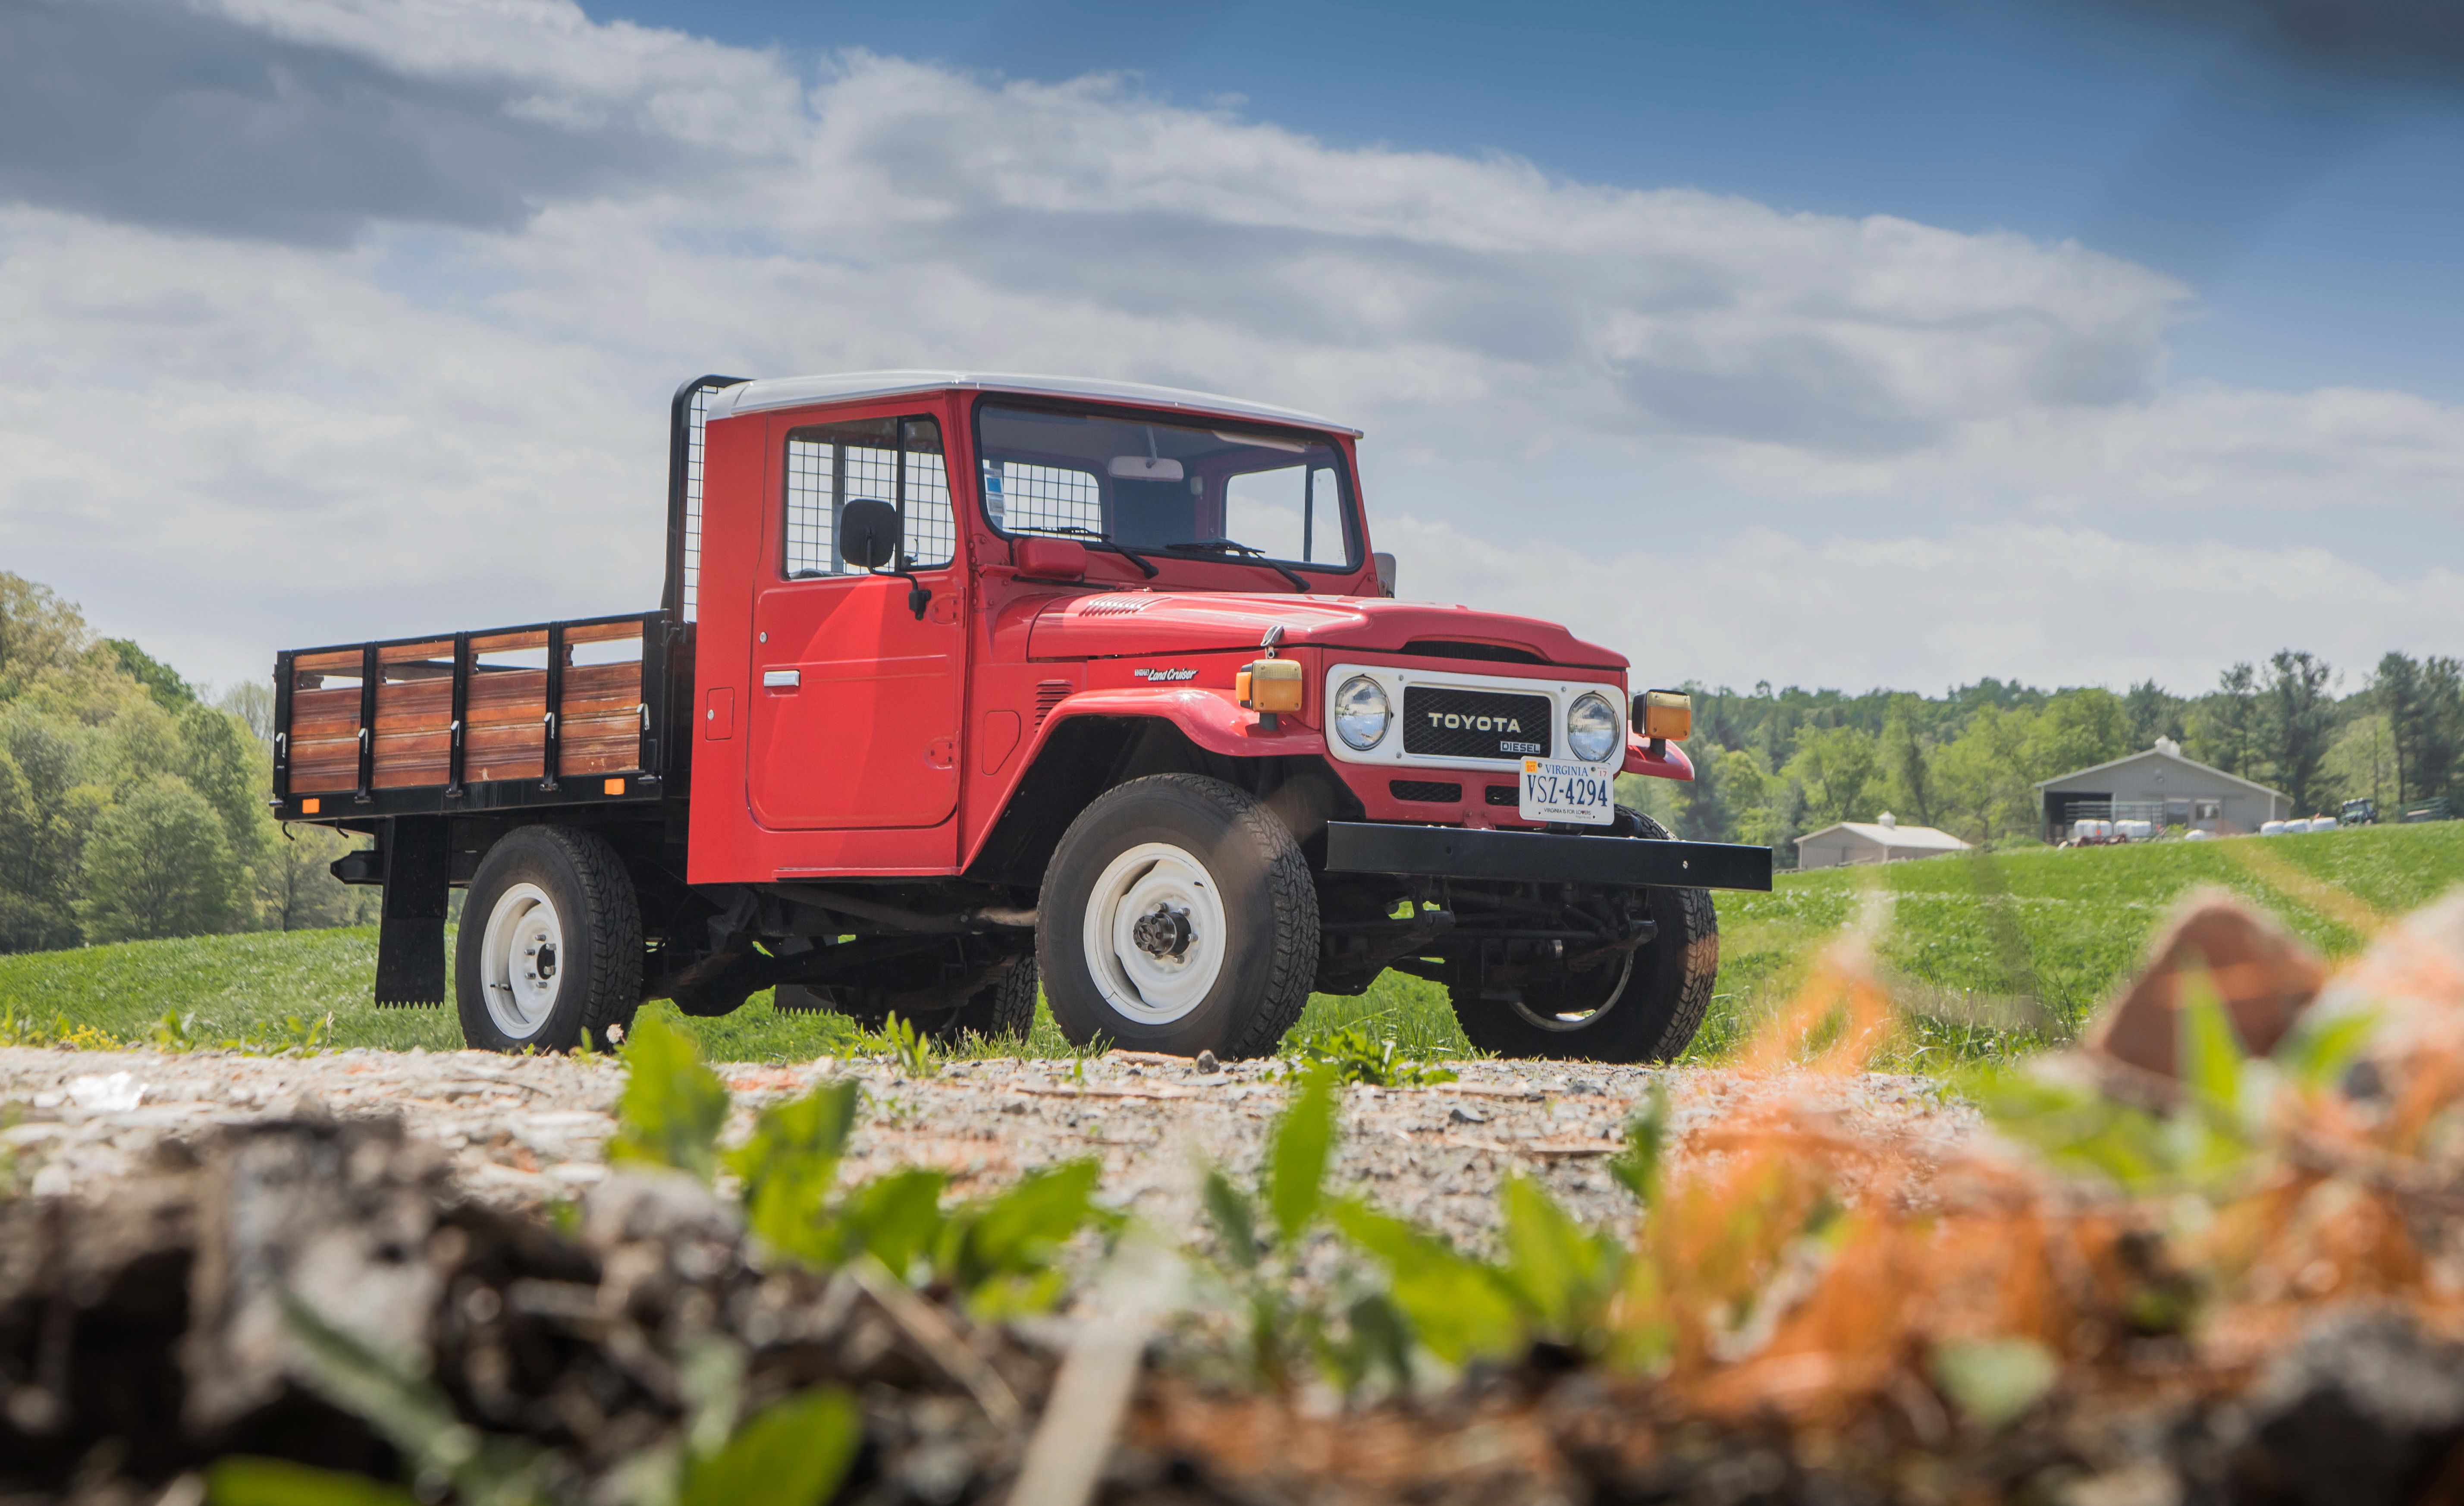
562,713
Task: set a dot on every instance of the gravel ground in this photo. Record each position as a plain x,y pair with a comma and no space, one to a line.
525,1130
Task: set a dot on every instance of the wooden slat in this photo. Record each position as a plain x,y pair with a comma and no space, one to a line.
308,729
500,693
508,642
479,770
421,701
603,631
334,660
325,765
415,742
601,679
401,773
405,653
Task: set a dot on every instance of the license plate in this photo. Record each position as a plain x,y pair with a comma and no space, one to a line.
1580,793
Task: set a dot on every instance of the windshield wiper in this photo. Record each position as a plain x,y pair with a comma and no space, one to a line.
1244,552
1144,564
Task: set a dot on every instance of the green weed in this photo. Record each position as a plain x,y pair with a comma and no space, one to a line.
1356,1057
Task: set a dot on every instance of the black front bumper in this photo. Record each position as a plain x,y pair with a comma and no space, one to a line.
1547,857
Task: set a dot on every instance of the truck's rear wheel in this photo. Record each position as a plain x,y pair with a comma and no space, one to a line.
1643,1005
551,943
1177,916
1002,1009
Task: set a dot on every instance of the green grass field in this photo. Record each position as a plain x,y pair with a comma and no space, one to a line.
2060,927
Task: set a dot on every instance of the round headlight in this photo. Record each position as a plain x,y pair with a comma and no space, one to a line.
1591,727
1361,713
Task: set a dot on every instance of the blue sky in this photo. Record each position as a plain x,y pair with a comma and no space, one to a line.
2316,218
1889,342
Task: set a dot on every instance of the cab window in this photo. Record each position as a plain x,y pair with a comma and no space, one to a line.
896,460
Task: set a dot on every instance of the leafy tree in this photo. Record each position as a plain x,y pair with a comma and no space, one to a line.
1909,787
251,701
1705,813
157,864
2361,766
1980,779
1749,792
2077,729
43,829
296,887
1840,772
2155,712
161,682
39,634
2424,704
2225,732
2300,721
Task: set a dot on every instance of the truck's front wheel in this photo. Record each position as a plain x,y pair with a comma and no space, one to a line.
1640,1006
551,943
1177,916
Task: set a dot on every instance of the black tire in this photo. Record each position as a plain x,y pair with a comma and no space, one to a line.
1237,862
1653,1010
1002,1010
594,979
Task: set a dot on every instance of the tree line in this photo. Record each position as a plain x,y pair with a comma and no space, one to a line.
131,806
1771,765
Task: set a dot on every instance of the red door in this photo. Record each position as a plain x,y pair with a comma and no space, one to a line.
856,701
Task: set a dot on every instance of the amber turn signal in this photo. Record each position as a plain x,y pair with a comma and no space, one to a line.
1664,713
1269,685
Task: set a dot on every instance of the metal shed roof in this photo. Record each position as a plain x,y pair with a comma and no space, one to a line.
1915,839
2170,758
754,397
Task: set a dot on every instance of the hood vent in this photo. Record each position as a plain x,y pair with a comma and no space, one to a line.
1115,606
1457,648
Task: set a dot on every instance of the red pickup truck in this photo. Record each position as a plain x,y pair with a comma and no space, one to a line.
965,684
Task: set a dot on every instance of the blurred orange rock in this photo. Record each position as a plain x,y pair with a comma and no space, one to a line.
2261,973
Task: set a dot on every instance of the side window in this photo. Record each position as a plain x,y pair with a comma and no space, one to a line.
1024,498
1293,512
896,460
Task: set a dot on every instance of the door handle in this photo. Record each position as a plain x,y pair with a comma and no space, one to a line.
781,680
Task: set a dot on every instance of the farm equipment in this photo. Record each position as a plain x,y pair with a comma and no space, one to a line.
2360,813
964,685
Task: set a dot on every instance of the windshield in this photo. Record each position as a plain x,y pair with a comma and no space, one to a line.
1188,489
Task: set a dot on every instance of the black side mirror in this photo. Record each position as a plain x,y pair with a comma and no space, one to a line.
869,533
869,539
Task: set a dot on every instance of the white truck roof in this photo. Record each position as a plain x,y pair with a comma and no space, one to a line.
754,397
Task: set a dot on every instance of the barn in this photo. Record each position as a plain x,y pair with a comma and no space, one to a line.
1881,840
2162,786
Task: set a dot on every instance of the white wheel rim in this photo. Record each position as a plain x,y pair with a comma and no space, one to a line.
1586,1018
1164,886
523,960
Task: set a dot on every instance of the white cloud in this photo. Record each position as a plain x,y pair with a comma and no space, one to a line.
413,375
2049,606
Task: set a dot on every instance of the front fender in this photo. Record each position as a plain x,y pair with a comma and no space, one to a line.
1671,762
1211,719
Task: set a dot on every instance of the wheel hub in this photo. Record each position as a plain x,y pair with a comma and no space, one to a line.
1162,932
1155,932
521,957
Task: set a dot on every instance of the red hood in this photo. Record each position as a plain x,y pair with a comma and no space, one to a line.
1119,623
